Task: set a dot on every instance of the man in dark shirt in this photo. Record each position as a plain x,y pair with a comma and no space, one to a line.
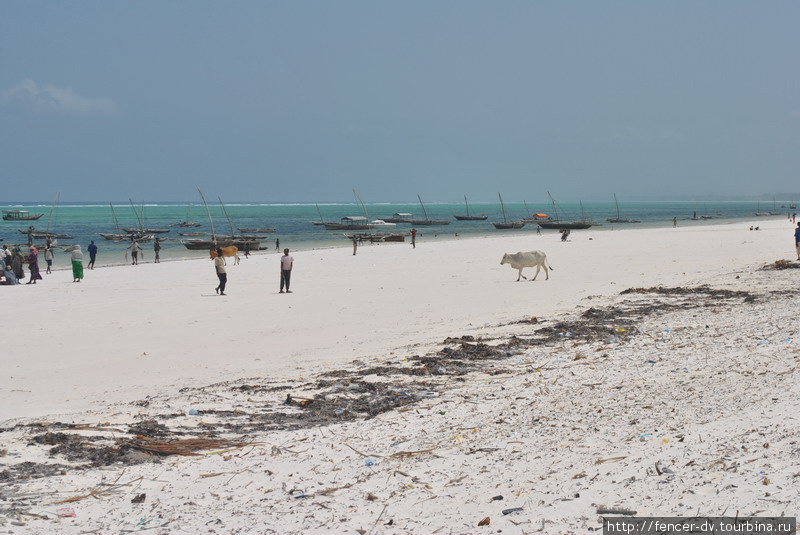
92,254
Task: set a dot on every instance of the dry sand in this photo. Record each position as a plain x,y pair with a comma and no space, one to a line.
664,403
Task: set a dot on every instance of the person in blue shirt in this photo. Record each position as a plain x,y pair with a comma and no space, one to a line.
797,240
92,254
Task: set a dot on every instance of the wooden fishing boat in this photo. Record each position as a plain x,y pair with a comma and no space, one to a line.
399,217
468,216
20,215
558,224
427,222
619,219
191,233
351,222
207,245
40,235
506,224
146,230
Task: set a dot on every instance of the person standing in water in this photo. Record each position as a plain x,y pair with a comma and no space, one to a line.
277,243
219,267
92,254
286,270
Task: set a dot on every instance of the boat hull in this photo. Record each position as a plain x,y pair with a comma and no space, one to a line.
471,217
427,222
572,225
508,226
207,245
621,220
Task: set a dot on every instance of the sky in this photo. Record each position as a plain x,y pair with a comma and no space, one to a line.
304,101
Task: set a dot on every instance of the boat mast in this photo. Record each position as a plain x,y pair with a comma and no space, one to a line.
225,211
133,207
526,207
363,207
555,208
320,213
502,207
615,202
465,202
116,221
210,221
583,216
50,217
423,208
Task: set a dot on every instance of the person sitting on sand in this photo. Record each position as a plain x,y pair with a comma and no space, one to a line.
9,276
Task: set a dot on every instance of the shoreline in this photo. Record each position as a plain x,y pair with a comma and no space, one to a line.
172,254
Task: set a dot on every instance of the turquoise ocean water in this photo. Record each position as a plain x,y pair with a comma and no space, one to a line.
294,229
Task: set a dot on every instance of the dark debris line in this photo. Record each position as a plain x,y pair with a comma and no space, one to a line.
347,395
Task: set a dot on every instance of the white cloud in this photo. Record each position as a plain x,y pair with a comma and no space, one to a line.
51,99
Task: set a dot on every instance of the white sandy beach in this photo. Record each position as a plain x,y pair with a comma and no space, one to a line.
128,332
565,431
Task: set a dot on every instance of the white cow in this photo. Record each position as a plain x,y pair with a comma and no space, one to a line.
522,260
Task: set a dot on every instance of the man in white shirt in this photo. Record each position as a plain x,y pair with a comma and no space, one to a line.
286,270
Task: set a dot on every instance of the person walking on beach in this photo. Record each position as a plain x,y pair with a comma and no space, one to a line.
157,249
355,244
77,264
219,267
6,256
414,238
674,222
797,240
33,266
92,254
48,257
286,270
247,249
277,243
134,247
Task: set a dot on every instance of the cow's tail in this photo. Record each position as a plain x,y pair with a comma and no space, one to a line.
548,264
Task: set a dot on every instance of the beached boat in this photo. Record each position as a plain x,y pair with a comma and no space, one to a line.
557,224
506,224
468,216
427,222
20,215
619,219
399,217
207,245
370,237
191,233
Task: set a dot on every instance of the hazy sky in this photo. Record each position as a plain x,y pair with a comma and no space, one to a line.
304,101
